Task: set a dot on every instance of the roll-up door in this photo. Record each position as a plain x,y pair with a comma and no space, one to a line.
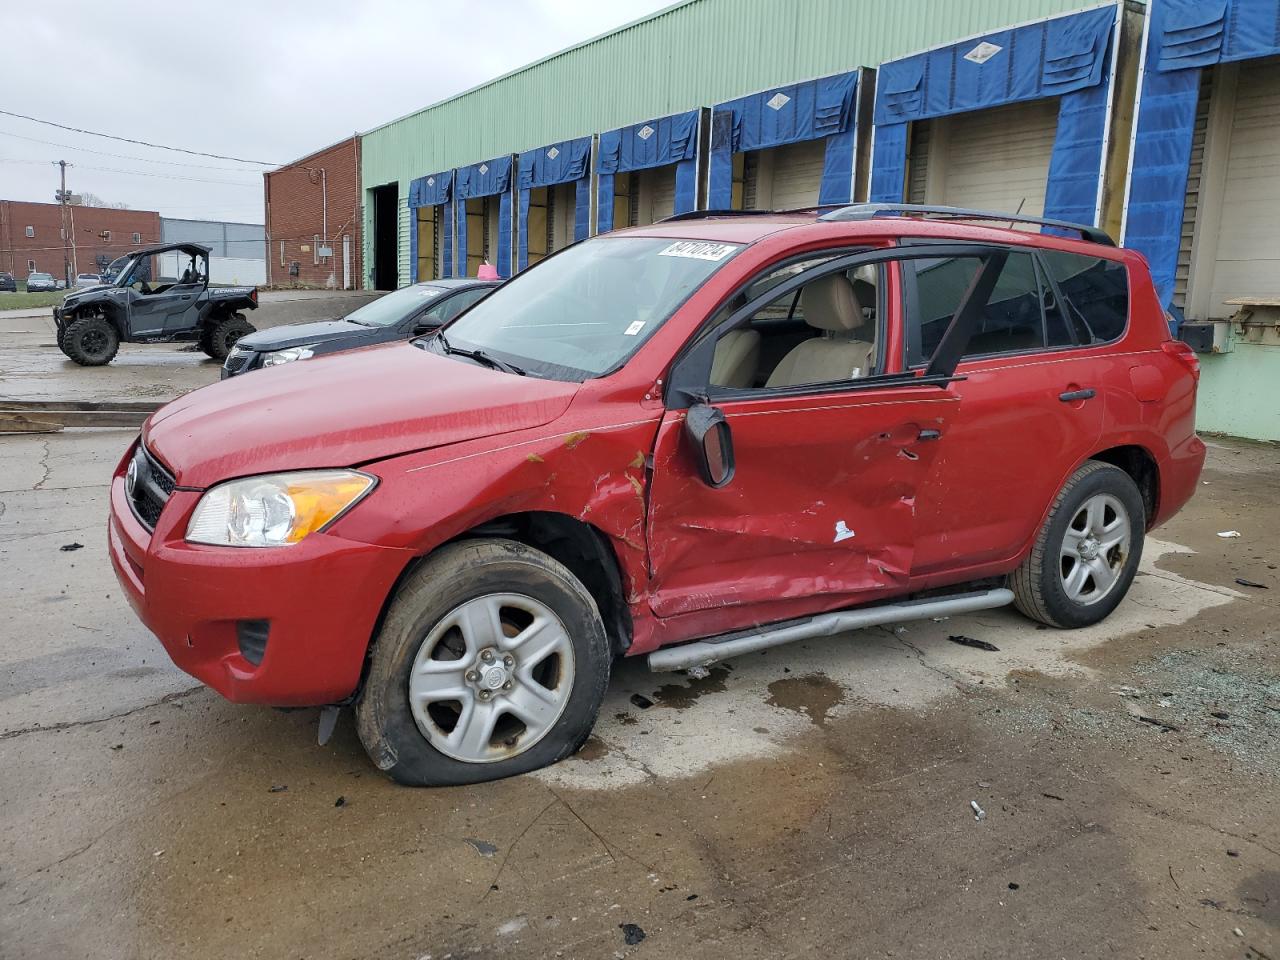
663,202
560,231
918,162
797,174
1247,261
995,159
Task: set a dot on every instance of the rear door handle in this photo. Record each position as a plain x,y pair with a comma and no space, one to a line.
1071,395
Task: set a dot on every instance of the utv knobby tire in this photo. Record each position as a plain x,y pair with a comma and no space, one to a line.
218,338
457,573
90,342
1037,583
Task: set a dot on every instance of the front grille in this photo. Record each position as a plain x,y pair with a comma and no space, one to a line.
238,361
148,485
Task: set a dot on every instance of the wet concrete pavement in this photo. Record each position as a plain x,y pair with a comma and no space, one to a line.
33,368
812,800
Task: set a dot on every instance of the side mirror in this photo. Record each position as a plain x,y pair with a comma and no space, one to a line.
420,329
712,442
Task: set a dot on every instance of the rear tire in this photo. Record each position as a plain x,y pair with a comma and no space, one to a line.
90,342
218,338
492,661
1086,553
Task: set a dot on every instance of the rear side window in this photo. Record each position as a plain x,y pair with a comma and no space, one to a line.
1012,321
1095,295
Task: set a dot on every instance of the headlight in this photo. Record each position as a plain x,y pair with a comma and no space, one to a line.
286,356
275,510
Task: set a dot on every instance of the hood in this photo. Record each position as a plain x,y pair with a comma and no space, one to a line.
305,334
344,409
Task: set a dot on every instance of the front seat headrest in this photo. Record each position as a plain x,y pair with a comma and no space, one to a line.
830,303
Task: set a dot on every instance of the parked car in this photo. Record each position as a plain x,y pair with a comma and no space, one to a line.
92,323
88,280
41,283
687,441
7,283
408,312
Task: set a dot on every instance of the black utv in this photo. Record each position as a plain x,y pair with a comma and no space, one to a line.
134,308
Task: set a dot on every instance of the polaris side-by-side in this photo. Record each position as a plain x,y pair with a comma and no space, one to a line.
92,323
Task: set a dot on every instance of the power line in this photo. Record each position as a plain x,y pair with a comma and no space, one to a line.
144,173
141,143
127,156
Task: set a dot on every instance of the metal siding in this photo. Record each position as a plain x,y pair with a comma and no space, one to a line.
691,55
1248,255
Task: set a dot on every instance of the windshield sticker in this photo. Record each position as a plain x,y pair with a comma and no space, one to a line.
699,250
635,328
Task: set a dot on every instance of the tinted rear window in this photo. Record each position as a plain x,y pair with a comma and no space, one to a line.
1096,295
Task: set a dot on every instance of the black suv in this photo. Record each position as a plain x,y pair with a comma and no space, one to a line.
7,283
92,323
408,312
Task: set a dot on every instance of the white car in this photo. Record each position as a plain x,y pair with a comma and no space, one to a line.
88,280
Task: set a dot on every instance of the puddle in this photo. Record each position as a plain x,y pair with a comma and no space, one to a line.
813,695
593,749
753,707
678,696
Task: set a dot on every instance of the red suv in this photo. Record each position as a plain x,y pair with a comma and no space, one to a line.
686,441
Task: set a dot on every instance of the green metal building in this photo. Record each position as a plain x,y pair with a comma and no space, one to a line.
994,101
690,55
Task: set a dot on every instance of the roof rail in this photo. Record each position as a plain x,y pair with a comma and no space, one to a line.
705,214
869,211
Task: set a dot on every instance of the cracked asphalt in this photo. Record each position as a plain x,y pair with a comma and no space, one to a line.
812,800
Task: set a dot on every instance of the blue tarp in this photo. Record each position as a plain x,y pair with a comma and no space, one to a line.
641,146
1067,57
569,160
815,109
484,180
1184,37
433,190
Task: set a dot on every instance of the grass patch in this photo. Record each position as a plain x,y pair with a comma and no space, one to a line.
24,301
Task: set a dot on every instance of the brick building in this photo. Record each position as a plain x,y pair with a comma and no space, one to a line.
32,237
313,219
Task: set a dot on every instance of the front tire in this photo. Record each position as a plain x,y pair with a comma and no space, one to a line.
91,341
492,661
1087,552
217,339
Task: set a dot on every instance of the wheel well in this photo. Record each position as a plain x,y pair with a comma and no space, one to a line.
1141,466
584,549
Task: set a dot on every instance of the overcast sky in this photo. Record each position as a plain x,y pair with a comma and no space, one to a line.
254,79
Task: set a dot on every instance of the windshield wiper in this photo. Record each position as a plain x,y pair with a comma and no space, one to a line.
480,357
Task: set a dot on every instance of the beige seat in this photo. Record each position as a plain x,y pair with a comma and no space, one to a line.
831,305
736,359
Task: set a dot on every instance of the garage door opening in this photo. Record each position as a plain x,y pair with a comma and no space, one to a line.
996,159
1232,214
786,177
431,223
642,197
386,236
482,233
550,220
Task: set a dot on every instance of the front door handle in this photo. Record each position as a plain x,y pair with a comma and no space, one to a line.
929,434
1072,395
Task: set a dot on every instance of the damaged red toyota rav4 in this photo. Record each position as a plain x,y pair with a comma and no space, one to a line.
687,441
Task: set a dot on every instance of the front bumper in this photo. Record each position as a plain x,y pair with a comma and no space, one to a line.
321,599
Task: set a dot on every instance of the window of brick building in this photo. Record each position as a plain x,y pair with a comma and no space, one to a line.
137,238
31,231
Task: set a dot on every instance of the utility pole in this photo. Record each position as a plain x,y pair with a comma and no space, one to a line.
64,199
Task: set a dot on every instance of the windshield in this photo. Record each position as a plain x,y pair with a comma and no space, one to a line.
584,311
393,307
119,269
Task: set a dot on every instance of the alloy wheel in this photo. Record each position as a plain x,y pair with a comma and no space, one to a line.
491,678
1094,549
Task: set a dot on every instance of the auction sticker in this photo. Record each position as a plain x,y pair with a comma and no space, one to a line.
699,250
